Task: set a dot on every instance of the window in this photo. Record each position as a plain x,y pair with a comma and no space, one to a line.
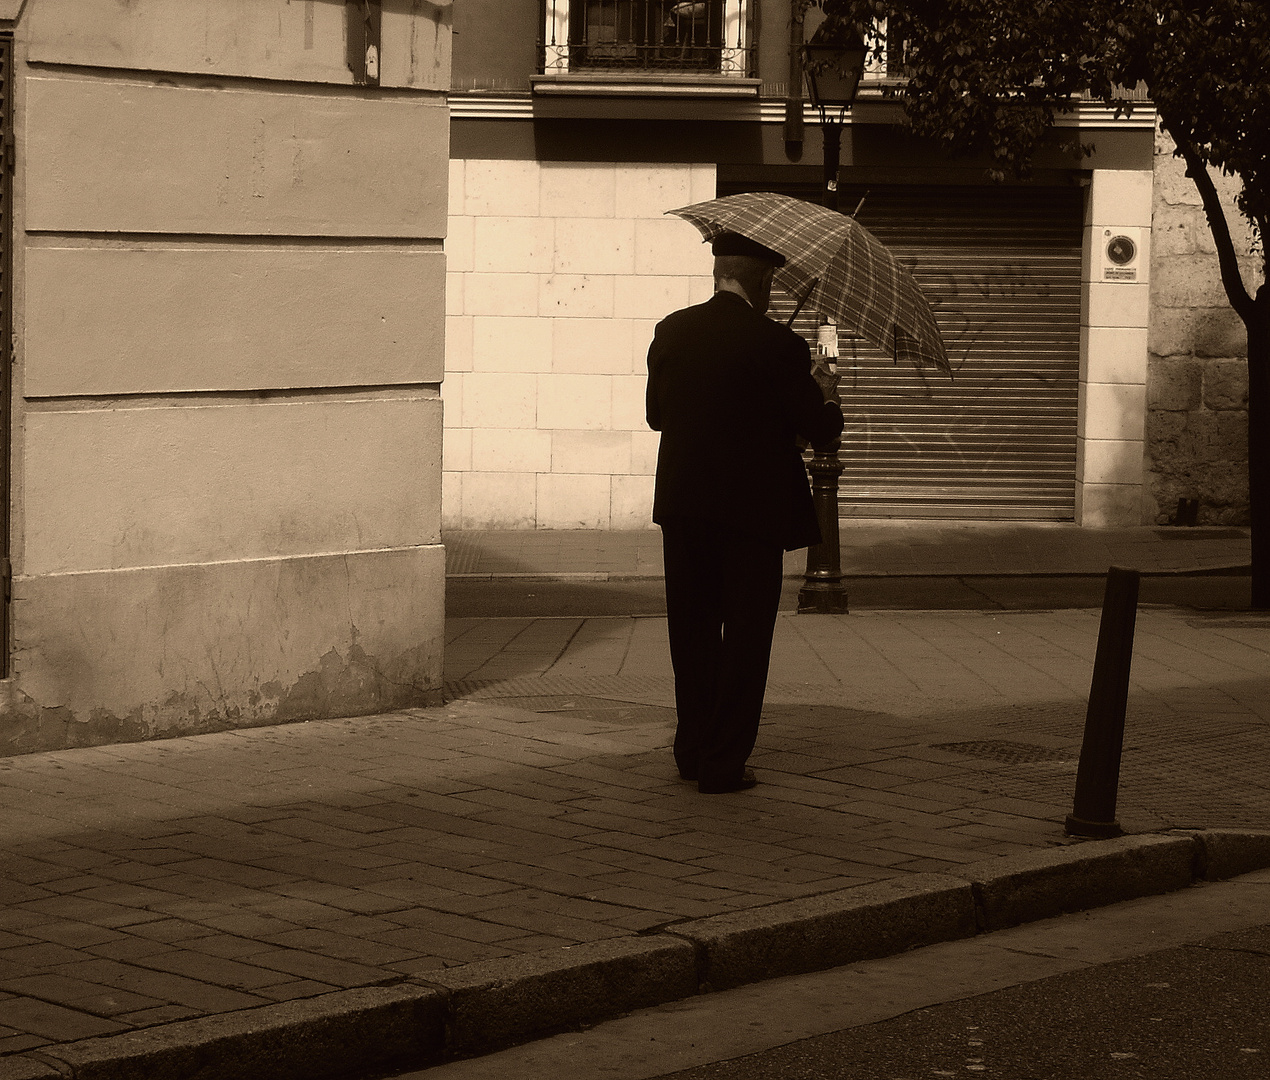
663,36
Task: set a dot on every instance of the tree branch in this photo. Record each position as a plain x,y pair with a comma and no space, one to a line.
1231,279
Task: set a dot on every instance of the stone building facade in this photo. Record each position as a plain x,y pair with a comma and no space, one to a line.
227,303
1197,390
571,137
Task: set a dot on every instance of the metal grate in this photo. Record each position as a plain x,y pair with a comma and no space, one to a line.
666,36
1001,269
1007,752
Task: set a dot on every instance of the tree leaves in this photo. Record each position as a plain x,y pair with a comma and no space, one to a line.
988,76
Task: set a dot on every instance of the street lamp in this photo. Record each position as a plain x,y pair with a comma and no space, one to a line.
832,71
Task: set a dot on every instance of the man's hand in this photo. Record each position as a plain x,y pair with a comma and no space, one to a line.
825,372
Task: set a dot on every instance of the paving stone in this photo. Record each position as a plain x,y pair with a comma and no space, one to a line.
425,852
54,1022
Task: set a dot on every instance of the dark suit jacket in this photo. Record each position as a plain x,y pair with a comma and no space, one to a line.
729,389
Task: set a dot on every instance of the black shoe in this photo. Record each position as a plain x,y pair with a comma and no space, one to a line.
744,782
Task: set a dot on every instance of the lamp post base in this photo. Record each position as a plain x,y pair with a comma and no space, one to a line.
822,598
822,591
1075,826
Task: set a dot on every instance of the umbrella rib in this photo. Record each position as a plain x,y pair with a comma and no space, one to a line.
802,301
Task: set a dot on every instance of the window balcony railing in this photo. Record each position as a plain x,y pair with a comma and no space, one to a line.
689,37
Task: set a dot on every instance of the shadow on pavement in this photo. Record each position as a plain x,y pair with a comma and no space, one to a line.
553,597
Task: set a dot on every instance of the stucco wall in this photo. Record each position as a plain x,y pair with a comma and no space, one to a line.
230,343
558,274
1197,386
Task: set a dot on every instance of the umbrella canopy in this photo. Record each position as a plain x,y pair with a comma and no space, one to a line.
834,265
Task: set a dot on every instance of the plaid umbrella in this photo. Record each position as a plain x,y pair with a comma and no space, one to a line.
834,265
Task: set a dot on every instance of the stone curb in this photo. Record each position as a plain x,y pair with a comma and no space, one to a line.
818,932
482,1007
580,576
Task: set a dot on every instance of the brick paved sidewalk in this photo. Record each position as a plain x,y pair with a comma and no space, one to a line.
146,883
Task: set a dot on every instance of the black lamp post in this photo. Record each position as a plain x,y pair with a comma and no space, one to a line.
832,71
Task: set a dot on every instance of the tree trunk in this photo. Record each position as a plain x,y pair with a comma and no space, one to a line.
1259,445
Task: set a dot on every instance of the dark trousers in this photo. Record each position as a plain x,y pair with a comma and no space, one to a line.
722,595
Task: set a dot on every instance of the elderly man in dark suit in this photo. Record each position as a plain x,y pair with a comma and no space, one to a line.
731,392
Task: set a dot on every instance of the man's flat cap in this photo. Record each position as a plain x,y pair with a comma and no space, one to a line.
730,243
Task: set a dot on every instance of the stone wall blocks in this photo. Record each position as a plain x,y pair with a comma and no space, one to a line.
499,400
592,346
513,245
575,402
499,500
201,484
500,188
629,402
1108,461
1226,385
1188,281
670,246
460,244
511,450
632,503
124,655
136,156
1172,331
1117,304
607,452
594,246
457,190
644,446
1219,332
573,501
1112,410
456,453
511,343
650,297
454,293
705,183
458,342
1175,383
499,294
570,189
1113,354
648,191
1197,440
577,296
1110,506
452,500
161,316
1119,197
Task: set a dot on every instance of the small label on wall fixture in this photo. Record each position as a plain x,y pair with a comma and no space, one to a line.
372,63
1121,255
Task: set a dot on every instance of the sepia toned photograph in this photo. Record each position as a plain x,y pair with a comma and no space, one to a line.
634,540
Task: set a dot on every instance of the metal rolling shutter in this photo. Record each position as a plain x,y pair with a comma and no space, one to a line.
1001,266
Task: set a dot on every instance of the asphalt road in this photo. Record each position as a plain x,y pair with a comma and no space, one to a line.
546,598
1200,1012
1161,988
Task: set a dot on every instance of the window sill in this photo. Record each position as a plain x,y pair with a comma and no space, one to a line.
645,84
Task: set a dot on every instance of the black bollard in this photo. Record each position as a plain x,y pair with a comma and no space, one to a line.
1098,776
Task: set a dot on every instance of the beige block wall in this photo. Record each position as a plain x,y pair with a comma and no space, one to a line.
557,275
1111,401
229,345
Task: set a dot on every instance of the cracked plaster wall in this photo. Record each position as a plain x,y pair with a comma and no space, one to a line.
229,329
